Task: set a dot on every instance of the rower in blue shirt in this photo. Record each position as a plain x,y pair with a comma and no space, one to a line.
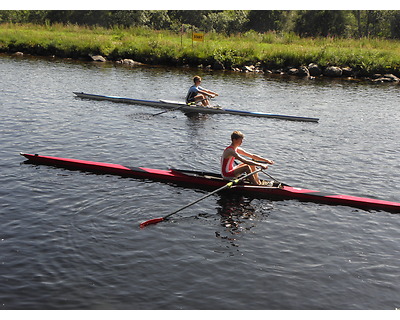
197,93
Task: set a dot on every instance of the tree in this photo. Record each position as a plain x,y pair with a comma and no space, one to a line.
395,25
321,23
228,21
22,16
190,17
376,23
266,20
343,23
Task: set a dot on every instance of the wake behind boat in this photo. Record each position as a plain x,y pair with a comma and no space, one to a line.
207,180
188,108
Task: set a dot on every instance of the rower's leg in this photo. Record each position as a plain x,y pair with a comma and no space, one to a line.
203,99
255,177
244,168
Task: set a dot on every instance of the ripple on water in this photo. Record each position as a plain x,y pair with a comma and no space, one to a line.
71,240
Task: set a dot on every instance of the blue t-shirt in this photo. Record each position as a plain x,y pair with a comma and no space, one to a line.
193,91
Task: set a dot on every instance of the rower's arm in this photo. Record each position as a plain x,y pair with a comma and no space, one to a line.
208,92
258,158
254,156
240,152
246,161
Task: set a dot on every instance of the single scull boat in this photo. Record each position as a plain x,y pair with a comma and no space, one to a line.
176,105
207,180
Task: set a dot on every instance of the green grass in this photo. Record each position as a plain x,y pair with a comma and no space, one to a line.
274,50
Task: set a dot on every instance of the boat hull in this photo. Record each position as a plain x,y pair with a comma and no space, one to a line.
206,180
172,105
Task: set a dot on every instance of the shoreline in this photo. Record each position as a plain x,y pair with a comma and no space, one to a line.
303,72
375,60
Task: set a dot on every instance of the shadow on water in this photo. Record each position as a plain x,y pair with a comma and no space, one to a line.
193,118
141,116
240,214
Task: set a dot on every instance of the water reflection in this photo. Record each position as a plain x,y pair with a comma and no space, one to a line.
238,215
238,212
196,124
234,211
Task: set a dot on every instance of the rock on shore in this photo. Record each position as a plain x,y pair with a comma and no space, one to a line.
313,70
379,78
129,62
98,58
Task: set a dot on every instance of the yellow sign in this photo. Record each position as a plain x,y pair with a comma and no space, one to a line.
198,37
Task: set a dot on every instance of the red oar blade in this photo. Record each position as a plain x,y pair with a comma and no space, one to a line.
151,221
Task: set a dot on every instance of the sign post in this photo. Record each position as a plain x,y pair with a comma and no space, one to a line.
197,36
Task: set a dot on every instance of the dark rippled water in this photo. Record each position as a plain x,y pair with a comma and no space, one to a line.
70,240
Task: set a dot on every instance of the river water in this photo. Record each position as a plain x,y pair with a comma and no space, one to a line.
71,240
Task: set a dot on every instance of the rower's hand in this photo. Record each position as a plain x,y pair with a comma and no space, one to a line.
264,166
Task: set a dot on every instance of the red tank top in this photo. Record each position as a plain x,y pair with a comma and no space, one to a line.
227,165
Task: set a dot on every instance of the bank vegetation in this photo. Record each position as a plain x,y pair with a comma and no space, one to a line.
267,50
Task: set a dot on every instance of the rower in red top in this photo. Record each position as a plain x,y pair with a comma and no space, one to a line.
228,168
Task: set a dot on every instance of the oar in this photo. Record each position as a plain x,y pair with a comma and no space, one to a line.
281,183
173,109
266,173
228,185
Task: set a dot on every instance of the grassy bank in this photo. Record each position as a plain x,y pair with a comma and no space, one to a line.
366,56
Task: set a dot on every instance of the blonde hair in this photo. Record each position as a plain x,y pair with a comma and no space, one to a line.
237,135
